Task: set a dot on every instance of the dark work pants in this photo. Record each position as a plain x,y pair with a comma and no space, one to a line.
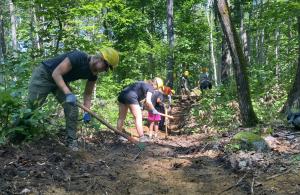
41,84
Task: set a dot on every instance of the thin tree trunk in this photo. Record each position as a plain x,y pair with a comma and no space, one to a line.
261,42
239,63
211,42
13,27
249,36
277,34
243,35
170,29
59,36
2,35
34,36
257,46
289,34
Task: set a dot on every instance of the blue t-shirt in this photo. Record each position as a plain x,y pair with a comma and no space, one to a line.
80,66
140,88
155,96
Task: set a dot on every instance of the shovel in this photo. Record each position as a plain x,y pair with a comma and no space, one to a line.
141,146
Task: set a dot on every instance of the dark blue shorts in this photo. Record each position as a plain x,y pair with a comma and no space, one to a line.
128,97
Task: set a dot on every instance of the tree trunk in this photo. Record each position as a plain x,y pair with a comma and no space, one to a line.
170,29
277,69
294,93
13,27
249,35
2,35
211,42
290,40
225,62
239,64
243,35
59,36
261,43
34,36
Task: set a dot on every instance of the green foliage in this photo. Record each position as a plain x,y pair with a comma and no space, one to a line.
8,104
138,30
232,147
218,109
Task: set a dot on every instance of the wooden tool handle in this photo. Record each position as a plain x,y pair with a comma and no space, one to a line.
104,122
165,115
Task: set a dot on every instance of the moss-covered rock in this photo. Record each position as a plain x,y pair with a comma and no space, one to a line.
250,141
246,136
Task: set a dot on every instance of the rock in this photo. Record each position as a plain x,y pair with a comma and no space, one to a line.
25,191
242,164
271,141
55,157
247,160
250,141
290,136
260,146
22,173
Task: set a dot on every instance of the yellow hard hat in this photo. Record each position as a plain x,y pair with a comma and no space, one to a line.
111,56
186,73
159,82
173,91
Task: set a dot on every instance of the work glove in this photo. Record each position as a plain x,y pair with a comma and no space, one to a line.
86,117
154,111
71,99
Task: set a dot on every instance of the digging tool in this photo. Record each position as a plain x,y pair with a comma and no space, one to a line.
166,122
165,115
104,122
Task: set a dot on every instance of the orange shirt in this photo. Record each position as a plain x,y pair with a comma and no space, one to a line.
167,90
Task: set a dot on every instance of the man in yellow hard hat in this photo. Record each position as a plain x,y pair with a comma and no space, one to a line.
54,75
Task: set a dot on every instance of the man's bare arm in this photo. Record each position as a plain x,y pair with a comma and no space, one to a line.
87,96
57,75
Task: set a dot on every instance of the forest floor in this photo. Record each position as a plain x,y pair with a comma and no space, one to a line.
179,164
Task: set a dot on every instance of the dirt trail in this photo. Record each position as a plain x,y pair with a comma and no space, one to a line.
181,164
109,168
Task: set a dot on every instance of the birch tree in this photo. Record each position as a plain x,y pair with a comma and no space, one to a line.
170,31
210,20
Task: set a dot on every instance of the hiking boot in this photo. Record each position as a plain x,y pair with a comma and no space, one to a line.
74,146
144,139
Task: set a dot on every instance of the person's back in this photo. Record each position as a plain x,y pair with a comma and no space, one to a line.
138,89
204,80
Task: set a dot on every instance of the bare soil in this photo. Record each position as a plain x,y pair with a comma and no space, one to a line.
179,164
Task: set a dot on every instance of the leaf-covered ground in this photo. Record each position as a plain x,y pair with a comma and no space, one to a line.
181,164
